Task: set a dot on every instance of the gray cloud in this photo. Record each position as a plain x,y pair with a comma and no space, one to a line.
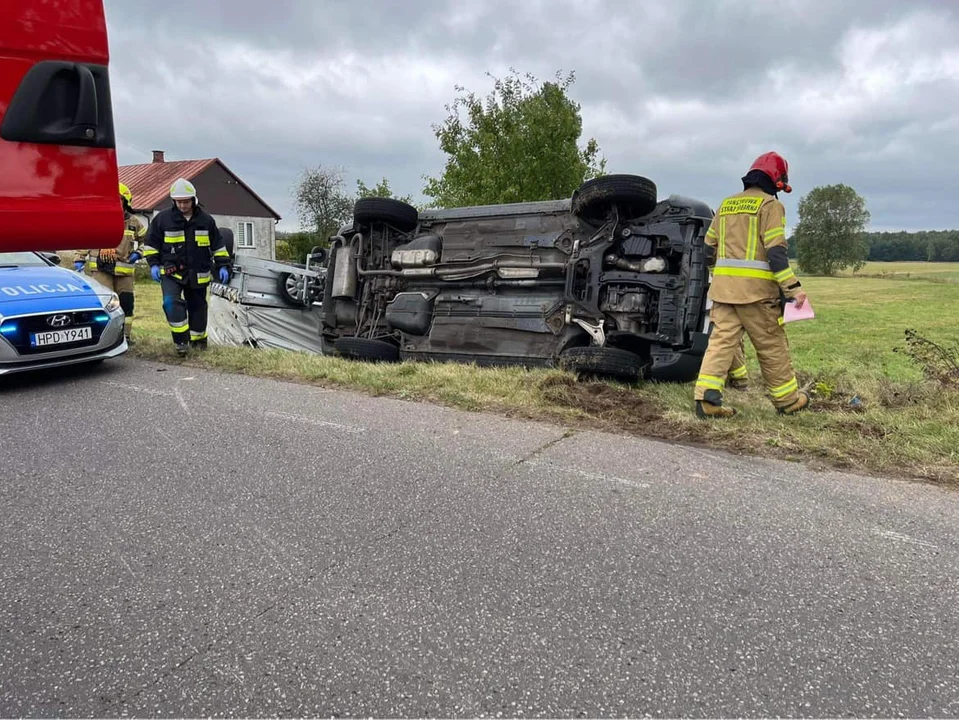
686,92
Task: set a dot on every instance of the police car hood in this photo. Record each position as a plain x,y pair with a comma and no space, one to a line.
28,290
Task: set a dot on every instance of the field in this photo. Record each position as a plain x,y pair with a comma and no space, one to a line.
875,409
930,272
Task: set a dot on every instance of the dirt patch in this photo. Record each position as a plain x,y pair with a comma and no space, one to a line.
608,407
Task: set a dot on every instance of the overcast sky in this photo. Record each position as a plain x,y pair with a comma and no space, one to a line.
686,92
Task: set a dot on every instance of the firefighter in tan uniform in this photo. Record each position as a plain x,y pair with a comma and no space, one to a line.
751,275
114,267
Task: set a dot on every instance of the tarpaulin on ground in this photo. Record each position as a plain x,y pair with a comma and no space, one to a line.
233,323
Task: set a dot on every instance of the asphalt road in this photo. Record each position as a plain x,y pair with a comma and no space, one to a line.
181,543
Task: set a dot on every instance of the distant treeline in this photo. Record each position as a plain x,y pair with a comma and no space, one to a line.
926,246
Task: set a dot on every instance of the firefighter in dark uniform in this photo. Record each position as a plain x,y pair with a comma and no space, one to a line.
184,248
751,279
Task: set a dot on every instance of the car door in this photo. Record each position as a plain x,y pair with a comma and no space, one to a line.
58,166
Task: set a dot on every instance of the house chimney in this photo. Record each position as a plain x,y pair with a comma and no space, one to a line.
158,156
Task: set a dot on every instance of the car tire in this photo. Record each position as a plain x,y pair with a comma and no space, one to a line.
227,235
633,194
603,362
286,286
397,213
368,350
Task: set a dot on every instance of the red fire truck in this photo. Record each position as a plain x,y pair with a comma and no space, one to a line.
58,165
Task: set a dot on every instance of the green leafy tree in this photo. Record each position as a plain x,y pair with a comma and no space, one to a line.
381,190
323,207
830,235
520,145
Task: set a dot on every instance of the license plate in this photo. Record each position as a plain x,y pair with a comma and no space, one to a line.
61,337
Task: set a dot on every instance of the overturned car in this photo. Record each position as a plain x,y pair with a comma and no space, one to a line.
610,283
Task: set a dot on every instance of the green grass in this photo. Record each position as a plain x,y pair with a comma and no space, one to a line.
905,425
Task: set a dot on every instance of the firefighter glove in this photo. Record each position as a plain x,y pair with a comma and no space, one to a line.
224,275
78,265
108,256
155,273
134,256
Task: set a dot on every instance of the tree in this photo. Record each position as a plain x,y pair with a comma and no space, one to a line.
830,235
520,145
381,189
322,206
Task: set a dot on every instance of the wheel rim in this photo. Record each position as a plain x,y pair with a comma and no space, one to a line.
293,288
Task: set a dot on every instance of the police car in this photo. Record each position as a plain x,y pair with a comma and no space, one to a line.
50,316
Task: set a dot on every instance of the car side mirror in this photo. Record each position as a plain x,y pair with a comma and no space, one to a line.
317,256
52,257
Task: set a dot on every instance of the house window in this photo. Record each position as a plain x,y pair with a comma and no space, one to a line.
245,237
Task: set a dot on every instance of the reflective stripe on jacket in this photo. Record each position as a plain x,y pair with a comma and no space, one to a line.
746,226
188,250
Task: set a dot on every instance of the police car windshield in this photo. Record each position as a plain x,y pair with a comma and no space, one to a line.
16,259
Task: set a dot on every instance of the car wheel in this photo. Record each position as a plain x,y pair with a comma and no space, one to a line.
603,362
227,236
290,288
403,217
368,350
633,194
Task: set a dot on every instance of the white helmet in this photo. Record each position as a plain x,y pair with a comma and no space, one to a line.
182,189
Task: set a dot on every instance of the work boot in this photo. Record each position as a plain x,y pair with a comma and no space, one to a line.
711,406
182,349
794,407
198,344
740,384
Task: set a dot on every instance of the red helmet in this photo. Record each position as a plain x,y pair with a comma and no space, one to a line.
775,166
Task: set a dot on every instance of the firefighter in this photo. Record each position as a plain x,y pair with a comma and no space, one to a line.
183,247
751,278
114,267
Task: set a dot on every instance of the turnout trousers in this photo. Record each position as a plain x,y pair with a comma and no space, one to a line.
762,322
186,311
122,285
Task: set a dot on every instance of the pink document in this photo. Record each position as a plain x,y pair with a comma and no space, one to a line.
791,313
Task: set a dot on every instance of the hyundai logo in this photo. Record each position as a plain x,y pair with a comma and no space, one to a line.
59,320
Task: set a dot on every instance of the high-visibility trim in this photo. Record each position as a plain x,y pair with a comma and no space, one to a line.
783,390
92,264
174,236
773,234
202,238
129,233
744,273
752,264
124,268
711,382
739,373
752,239
743,268
148,251
222,252
197,335
203,278
784,275
180,327
722,238
741,206
178,276
711,233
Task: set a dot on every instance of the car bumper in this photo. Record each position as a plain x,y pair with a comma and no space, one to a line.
112,344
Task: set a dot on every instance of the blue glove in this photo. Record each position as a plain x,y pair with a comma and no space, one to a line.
155,273
134,257
78,265
224,275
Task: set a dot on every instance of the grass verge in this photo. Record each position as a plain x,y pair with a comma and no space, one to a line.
875,411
